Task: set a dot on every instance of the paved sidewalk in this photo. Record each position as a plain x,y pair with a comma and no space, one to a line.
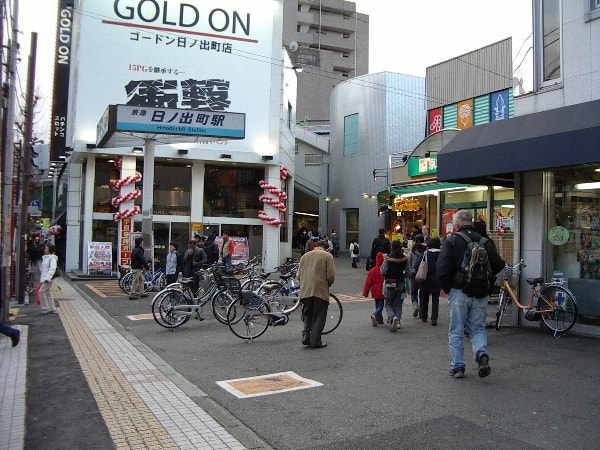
141,407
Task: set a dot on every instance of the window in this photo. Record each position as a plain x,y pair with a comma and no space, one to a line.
313,160
232,192
351,134
106,175
548,31
172,185
346,35
595,4
289,116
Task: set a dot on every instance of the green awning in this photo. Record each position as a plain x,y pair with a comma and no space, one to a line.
422,187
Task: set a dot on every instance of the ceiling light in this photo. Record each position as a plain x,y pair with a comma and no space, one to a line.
225,157
182,151
267,158
138,150
585,186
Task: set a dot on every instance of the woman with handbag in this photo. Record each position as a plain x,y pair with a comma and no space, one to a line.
430,285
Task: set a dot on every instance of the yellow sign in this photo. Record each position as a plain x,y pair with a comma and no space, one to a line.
406,205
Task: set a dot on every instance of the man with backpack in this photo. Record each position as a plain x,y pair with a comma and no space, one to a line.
465,269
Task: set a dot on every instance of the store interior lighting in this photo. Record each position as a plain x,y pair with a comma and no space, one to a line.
586,186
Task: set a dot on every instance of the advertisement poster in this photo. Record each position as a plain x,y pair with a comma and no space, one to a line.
100,257
448,221
241,249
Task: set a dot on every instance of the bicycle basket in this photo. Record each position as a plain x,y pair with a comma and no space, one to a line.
231,284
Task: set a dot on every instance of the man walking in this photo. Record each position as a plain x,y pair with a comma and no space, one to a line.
316,274
467,312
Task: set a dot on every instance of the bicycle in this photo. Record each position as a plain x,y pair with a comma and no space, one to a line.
554,304
176,304
29,280
250,314
152,280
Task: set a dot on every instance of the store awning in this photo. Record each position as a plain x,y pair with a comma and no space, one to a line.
425,187
560,137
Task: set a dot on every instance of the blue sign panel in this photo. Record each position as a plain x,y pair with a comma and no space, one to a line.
499,105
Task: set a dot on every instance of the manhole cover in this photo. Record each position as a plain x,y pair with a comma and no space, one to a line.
267,384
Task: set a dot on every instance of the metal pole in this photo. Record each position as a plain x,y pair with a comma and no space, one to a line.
148,198
7,169
26,178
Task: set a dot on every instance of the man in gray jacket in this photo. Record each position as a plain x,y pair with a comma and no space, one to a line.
316,273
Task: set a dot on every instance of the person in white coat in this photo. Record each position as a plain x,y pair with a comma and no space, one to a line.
47,270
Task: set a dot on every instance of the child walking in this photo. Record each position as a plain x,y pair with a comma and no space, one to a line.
374,283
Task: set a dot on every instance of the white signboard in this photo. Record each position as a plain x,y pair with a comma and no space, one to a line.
217,56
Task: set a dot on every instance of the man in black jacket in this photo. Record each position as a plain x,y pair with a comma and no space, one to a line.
380,244
467,313
138,263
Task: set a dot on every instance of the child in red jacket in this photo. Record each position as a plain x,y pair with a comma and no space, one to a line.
374,283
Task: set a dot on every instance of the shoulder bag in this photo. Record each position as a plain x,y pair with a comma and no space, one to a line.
422,270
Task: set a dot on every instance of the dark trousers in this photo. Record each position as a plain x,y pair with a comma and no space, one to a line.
171,278
314,315
424,294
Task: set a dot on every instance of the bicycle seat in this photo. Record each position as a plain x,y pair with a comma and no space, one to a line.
535,281
287,276
265,275
270,287
187,281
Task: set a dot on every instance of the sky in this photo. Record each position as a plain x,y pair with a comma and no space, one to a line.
405,36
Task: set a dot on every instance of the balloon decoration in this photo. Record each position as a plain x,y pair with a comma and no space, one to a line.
130,196
54,230
276,202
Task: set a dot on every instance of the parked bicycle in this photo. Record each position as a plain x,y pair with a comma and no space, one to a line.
176,304
152,281
554,304
250,314
29,280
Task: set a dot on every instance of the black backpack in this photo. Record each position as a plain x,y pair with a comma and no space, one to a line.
355,250
475,269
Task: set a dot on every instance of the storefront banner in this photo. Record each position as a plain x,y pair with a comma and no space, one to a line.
99,258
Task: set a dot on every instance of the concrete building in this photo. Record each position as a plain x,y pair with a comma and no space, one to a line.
329,39
372,117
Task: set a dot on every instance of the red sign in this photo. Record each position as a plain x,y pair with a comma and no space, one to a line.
435,120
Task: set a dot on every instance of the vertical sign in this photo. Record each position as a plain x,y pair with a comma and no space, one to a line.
435,120
62,67
499,105
465,114
125,245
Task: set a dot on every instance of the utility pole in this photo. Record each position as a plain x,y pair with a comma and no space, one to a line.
8,162
26,167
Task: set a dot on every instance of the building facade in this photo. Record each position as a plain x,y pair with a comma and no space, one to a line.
329,39
372,117
550,151
180,62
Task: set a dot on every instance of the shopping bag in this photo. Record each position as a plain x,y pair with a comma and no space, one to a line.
422,271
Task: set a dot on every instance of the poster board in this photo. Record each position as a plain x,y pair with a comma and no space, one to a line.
99,258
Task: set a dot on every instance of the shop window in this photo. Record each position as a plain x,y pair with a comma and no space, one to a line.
106,174
172,184
574,237
232,192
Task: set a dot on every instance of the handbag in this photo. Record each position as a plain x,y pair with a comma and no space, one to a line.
369,264
422,270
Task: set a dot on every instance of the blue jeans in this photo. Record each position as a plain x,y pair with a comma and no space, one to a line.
394,298
378,313
227,261
414,293
466,313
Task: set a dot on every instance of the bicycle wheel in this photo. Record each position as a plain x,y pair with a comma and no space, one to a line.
163,312
125,282
564,312
334,314
29,285
247,323
220,304
251,284
501,311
